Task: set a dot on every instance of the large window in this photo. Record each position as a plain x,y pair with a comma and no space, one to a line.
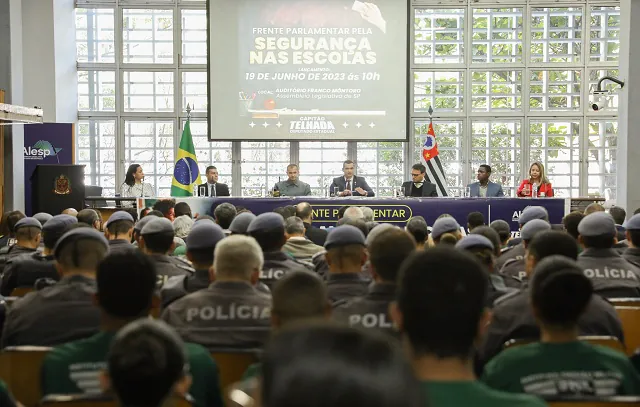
509,85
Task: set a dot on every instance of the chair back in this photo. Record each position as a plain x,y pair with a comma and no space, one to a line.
625,302
21,291
20,370
232,363
101,400
630,318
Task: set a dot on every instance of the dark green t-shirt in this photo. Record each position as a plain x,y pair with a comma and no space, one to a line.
75,368
476,394
6,399
562,369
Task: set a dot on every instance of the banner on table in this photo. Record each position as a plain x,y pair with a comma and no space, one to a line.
395,211
47,143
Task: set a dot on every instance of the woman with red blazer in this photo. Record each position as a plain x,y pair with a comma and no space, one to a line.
538,177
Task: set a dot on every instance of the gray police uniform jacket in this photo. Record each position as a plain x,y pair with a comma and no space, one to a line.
370,311
512,318
632,255
612,276
61,313
9,253
167,267
24,271
344,286
515,253
277,264
513,273
225,315
120,246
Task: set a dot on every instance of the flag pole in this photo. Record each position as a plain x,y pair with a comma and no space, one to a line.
188,112
430,114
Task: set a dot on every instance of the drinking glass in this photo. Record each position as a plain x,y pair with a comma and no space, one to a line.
336,191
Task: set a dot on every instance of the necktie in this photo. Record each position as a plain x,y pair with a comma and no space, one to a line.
349,185
418,184
213,190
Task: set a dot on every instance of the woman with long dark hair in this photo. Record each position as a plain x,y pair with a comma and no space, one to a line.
134,185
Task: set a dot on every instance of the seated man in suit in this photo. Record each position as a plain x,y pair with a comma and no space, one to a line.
419,186
212,187
485,188
349,184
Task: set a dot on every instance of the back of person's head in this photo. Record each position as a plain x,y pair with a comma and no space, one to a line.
446,230
237,257
147,364
353,212
289,211
120,227
183,208
156,213
182,225
224,214
371,225
88,216
293,226
388,250
597,231
444,288
559,292
503,229
490,234
359,223
158,242
571,222
474,220
267,232
299,296
164,206
593,207
280,211
59,225
12,218
144,212
341,211
550,243
324,365
618,214
367,213
304,211
126,284
449,239
418,228
81,248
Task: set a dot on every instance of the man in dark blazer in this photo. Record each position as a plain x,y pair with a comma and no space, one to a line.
305,212
349,184
212,187
419,186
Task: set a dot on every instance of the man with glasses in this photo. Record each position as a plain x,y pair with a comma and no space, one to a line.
419,186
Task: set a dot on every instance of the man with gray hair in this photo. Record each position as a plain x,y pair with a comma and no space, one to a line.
353,212
224,214
298,246
231,312
367,213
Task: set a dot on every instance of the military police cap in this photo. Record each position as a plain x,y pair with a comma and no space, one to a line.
597,224
28,222
531,213
533,227
266,221
120,215
343,236
633,223
556,263
500,226
42,217
241,222
59,223
79,234
444,225
475,241
157,225
142,222
376,232
204,235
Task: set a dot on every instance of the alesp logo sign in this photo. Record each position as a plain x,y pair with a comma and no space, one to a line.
40,150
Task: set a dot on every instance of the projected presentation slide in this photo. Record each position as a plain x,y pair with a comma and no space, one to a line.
308,69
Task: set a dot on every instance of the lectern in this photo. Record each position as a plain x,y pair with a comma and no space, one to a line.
55,188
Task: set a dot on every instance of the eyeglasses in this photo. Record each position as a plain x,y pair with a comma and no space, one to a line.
416,175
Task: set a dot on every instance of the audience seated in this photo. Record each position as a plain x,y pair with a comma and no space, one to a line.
42,217
418,228
64,311
504,231
297,245
268,230
27,235
367,213
224,214
167,207
592,208
183,209
440,313
474,220
513,270
632,234
512,316
7,228
305,212
516,250
560,365
119,232
571,222
90,217
446,230
231,312
24,271
388,249
346,255
126,284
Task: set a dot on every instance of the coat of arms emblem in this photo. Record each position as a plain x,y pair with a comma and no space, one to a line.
62,185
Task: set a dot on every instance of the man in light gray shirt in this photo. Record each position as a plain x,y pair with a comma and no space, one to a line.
293,186
298,246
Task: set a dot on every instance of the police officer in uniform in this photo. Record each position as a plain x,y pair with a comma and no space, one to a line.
513,271
25,270
65,311
137,228
632,233
612,276
388,249
517,250
119,231
157,239
28,232
231,312
240,223
346,255
512,317
268,230
201,242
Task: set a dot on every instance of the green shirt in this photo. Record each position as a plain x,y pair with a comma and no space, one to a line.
75,368
573,369
6,399
180,251
252,372
473,393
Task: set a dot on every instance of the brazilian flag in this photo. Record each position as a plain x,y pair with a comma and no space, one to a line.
186,173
